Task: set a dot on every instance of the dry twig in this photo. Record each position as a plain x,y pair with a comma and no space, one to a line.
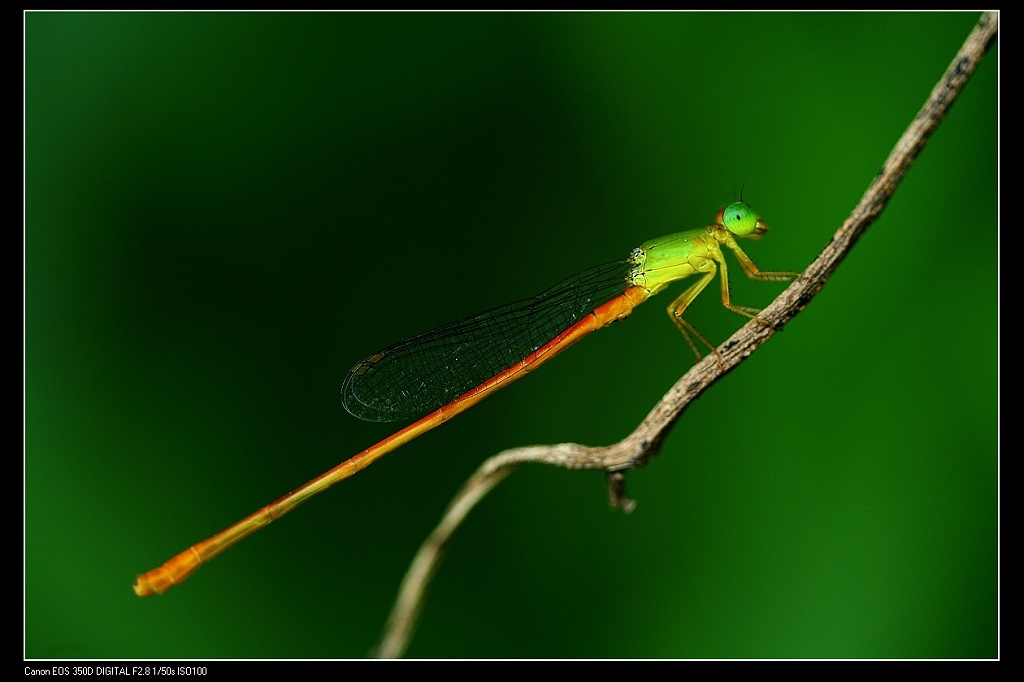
645,442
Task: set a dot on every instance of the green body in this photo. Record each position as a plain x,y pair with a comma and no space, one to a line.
659,262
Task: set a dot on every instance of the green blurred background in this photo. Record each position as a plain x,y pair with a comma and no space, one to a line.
226,211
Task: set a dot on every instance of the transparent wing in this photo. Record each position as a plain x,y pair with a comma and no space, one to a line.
420,374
